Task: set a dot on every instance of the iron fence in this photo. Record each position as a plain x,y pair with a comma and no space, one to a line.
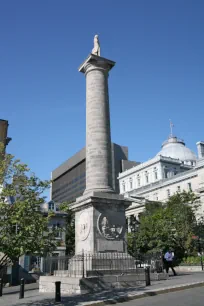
100,264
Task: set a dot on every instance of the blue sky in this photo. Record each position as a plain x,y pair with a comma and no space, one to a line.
158,47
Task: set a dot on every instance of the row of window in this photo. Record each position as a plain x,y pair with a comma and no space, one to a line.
65,189
168,192
179,189
138,179
72,191
69,183
72,198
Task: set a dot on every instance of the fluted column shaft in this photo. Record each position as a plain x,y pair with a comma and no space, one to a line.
98,136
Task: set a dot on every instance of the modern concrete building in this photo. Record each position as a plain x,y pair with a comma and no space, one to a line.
174,169
69,179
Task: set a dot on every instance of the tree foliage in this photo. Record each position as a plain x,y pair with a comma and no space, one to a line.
23,228
168,225
69,228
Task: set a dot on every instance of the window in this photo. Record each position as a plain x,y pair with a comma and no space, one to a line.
138,180
165,172
147,177
189,187
130,183
51,205
15,229
59,232
155,173
123,186
156,198
178,188
168,193
38,261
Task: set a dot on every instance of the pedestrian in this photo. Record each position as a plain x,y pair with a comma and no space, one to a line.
168,259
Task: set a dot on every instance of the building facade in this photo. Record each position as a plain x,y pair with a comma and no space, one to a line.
34,262
69,179
174,169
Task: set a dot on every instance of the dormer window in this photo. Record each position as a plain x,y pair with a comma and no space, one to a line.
51,205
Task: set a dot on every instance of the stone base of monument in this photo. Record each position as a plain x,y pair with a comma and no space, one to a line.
78,285
96,272
86,265
103,262
100,223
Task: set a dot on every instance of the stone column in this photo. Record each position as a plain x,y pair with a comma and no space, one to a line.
98,136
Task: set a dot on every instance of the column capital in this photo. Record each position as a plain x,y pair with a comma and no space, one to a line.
95,61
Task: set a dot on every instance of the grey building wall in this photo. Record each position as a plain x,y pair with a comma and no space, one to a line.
69,179
127,164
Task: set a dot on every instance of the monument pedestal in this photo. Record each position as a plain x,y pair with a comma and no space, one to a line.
100,223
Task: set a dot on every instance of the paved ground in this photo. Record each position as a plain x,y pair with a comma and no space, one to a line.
15,289
34,298
190,297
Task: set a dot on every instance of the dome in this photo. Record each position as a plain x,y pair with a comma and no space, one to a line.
175,148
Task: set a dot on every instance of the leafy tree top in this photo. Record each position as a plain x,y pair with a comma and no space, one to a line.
171,224
23,228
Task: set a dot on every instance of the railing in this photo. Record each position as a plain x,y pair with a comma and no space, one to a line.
99,264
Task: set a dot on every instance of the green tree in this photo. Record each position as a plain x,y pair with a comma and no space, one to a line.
23,228
69,228
169,225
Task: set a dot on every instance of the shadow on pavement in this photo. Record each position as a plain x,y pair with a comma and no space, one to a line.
78,299
17,291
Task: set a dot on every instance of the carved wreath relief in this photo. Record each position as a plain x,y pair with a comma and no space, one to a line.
84,225
108,228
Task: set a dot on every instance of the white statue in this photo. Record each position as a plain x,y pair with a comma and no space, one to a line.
96,49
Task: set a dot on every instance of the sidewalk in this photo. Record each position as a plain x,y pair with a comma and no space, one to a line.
34,298
16,289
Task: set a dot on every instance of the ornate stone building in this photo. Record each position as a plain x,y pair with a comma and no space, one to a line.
174,169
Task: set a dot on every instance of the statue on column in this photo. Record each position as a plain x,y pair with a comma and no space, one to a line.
96,49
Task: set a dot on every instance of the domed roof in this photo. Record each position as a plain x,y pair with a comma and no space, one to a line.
175,148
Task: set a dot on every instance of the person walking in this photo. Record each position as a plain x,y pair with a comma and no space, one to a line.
168,257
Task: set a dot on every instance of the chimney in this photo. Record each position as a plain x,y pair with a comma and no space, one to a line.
200,148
